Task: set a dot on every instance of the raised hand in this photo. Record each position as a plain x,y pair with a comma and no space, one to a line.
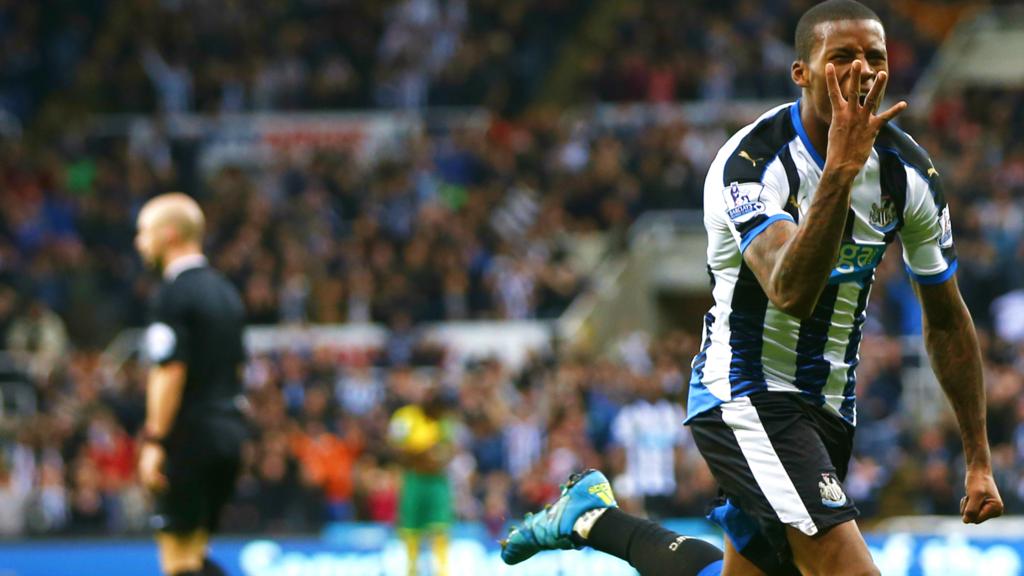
854,123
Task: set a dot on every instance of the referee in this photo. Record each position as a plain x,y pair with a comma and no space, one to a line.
194,429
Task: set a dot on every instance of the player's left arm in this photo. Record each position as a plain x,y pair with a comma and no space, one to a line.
956,359
949,335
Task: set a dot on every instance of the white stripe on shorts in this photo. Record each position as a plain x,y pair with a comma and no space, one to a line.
741,415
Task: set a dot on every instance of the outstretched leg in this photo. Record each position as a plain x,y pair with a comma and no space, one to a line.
651,549
586,514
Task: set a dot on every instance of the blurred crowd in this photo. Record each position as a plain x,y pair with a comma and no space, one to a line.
474,222
477,221
317,453
173,56
663,51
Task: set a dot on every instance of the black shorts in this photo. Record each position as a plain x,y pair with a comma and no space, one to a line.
779,460
202,470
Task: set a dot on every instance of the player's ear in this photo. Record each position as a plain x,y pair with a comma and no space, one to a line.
799,73
169,234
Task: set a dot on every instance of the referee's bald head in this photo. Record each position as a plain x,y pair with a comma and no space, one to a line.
177,210
828,11
171,222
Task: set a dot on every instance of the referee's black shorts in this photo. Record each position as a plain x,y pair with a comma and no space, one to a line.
202,469
779,460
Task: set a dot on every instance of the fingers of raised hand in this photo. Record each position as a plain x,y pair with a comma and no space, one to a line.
835,94
853,89
871,101
891,113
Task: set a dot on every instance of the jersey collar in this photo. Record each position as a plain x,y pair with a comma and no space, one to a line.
798,123
183,263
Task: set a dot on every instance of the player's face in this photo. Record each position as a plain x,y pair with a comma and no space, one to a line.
842,43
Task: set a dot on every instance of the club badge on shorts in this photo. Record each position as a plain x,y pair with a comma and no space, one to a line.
832,494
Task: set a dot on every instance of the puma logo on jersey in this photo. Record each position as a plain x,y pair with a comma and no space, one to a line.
604,492
746,156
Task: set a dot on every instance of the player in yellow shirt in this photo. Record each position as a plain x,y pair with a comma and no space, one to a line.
422,439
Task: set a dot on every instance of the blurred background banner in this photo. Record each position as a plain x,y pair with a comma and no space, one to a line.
500,201
372,550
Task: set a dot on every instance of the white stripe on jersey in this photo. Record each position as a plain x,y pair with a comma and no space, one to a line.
843,317
764,463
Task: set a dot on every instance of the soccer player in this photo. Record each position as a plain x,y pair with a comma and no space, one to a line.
799,207
422,437
194,428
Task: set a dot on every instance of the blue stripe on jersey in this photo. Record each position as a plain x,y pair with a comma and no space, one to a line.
746,339
748,237
848,408
794,113
699,399
932,279
812,368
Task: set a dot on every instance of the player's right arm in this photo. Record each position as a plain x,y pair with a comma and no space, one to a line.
793,263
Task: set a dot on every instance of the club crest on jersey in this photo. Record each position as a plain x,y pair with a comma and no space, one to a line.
883,217
832,494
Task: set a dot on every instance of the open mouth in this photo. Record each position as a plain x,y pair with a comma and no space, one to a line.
863,98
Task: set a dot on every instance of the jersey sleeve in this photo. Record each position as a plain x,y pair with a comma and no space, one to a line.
166,338
749,208
927,235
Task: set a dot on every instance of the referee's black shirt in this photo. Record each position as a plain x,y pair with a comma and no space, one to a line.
197,319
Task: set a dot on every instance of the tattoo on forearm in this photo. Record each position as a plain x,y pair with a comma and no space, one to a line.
956,359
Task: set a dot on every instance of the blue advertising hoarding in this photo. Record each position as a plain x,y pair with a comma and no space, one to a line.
370,550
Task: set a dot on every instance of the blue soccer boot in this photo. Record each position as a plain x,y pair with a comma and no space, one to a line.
551,528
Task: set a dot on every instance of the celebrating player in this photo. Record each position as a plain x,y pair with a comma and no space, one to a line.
799,208
194,429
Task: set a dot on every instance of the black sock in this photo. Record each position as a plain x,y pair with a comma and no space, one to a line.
211,568
651,549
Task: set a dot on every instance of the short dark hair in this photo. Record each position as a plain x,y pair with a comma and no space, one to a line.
827,11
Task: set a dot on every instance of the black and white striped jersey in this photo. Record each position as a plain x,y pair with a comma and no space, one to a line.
767,172
649,433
